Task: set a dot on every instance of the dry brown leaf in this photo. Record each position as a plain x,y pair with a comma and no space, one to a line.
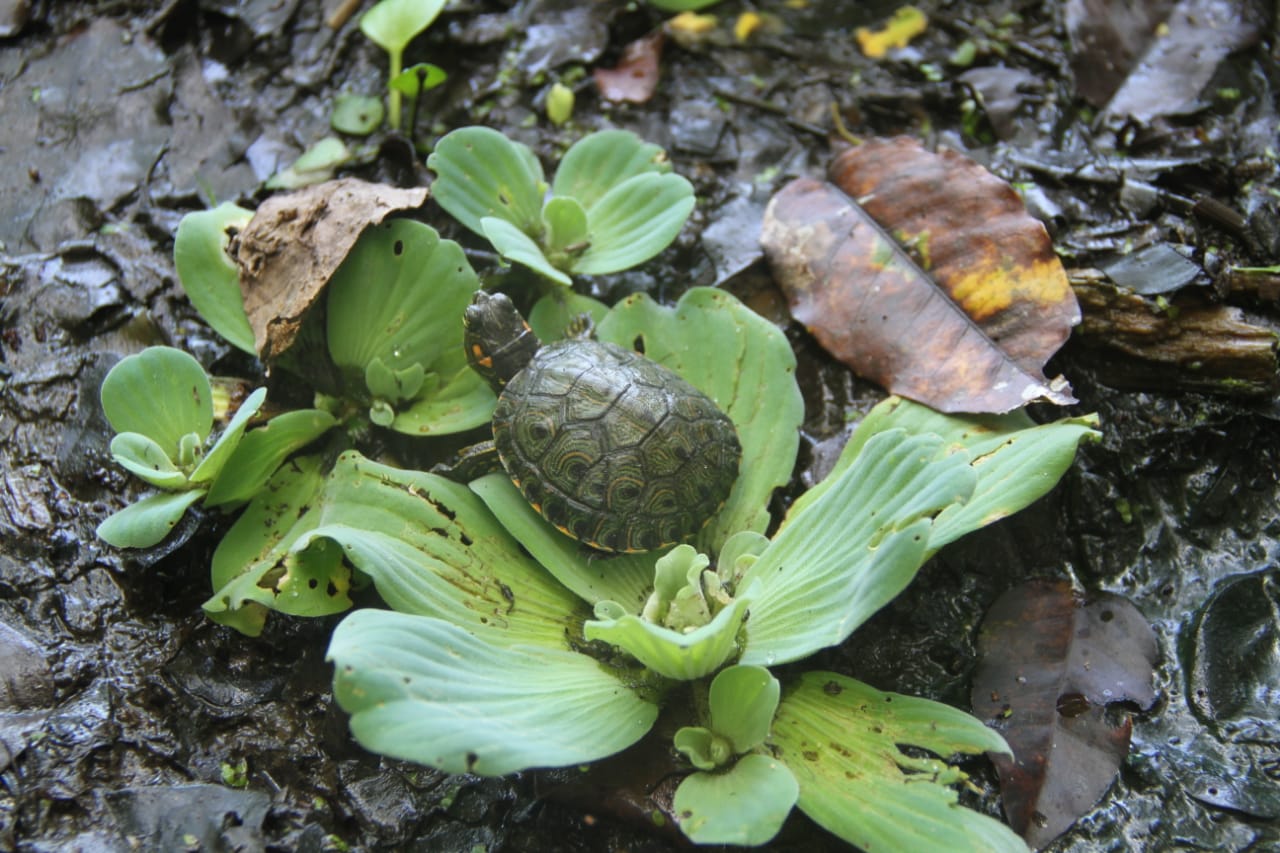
293,244
635,78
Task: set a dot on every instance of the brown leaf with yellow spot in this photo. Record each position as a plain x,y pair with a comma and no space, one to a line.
925,273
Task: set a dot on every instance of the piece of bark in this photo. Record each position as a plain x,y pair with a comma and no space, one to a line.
1183,344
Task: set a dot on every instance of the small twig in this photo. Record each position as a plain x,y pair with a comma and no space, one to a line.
770,107
841,130
157,20
342,14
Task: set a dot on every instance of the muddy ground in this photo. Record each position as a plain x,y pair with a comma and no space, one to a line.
121,706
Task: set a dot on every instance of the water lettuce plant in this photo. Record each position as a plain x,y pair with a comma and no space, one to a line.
509,648
506,645
412,82
160,403
394,333
389,328
385,349
614,202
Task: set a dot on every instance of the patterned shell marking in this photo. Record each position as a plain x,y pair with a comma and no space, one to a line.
613,448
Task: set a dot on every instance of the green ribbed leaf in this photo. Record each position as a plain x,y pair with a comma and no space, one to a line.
146,460
426,690
376,311
849,553
623,578
600,161
518,247
742,701
148,521
1016,460
209,276
840,738
634,221
254,567
566,224
432,548
429,545
229,439
261,452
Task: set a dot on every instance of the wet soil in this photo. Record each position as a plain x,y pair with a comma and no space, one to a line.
121,706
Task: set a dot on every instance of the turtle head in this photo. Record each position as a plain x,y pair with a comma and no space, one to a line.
499,342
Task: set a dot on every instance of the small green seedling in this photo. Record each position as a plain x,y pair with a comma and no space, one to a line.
614,202
160,403
412,82
391,25
682,5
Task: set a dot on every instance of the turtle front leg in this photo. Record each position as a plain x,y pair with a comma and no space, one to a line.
471,463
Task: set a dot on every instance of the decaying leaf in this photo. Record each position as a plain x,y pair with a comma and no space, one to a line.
1198,35
635,77
1235,664
1049,665
1153,58
1107,37
925,273
293,244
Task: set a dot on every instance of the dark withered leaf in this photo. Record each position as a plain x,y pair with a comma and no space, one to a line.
1049,664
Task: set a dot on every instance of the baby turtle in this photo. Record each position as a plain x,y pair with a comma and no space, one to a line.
609,446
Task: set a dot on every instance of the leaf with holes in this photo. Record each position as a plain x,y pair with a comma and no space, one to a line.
844,742
394,328
1050,662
